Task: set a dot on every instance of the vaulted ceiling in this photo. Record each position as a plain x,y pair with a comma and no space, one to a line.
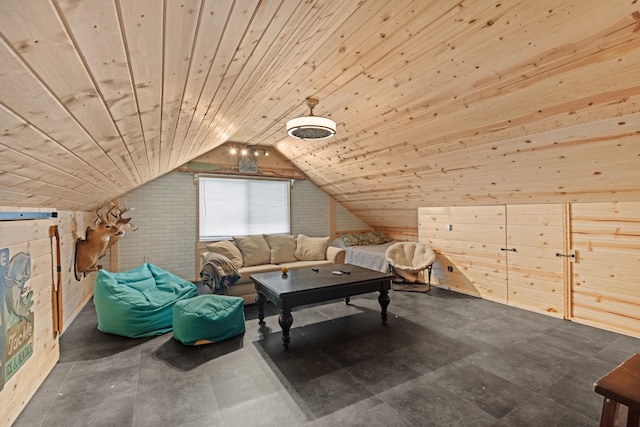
437,102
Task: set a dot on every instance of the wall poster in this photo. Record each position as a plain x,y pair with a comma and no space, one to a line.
16,317
247,164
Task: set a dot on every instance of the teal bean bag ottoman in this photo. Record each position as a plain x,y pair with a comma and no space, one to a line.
139,302
208,318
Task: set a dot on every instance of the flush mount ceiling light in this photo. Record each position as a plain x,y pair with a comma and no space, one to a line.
311,127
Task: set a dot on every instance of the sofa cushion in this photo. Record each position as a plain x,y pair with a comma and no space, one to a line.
228,249
350,239
255,269
255,250
306,264
282,248
311,248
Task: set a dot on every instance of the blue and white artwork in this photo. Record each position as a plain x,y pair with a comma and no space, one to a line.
16,317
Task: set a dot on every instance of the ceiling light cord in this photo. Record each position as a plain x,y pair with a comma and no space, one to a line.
311,103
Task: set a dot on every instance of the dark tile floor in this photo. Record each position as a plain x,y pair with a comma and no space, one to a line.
444,359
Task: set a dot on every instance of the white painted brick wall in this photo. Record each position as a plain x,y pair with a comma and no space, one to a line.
165,212
309,210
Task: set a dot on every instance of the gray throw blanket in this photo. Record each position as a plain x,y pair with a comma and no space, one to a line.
218,273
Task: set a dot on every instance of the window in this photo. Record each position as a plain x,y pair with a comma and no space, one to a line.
240,207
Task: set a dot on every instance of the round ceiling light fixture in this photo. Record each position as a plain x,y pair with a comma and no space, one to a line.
311,127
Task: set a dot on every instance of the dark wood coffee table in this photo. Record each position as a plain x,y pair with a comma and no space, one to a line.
302,286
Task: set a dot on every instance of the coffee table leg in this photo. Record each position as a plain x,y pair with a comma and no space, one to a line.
285,320
384,300
260,300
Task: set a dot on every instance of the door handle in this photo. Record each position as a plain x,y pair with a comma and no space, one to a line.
565,255
509,249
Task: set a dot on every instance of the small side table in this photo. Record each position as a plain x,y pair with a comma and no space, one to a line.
621,387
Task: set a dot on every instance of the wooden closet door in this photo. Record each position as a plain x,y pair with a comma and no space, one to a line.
535,274
470,248
606,275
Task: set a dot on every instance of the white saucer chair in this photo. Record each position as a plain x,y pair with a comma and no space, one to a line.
408,262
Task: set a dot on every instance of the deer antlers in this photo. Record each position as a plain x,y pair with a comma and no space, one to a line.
114,210
108,228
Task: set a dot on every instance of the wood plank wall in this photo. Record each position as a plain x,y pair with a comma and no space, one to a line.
471,248
32,237
601,288
535,277
606,275
220,161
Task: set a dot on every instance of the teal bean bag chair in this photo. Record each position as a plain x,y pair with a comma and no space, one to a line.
139,302
208,319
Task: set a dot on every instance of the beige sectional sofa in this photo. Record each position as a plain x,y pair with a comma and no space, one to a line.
270,252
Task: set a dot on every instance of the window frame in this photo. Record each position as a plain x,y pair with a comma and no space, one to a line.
198,179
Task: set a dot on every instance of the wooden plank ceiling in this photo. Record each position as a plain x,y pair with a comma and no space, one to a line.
440,102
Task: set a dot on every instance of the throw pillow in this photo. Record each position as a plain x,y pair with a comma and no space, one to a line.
282,248
228,249
370,239
350,239
311,248
255,250
383,237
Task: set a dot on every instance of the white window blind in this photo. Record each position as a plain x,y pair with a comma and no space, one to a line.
241,207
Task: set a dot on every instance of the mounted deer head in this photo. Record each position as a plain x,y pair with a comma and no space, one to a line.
124,224
109,225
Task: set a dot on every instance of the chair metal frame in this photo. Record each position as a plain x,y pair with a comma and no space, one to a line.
404,282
